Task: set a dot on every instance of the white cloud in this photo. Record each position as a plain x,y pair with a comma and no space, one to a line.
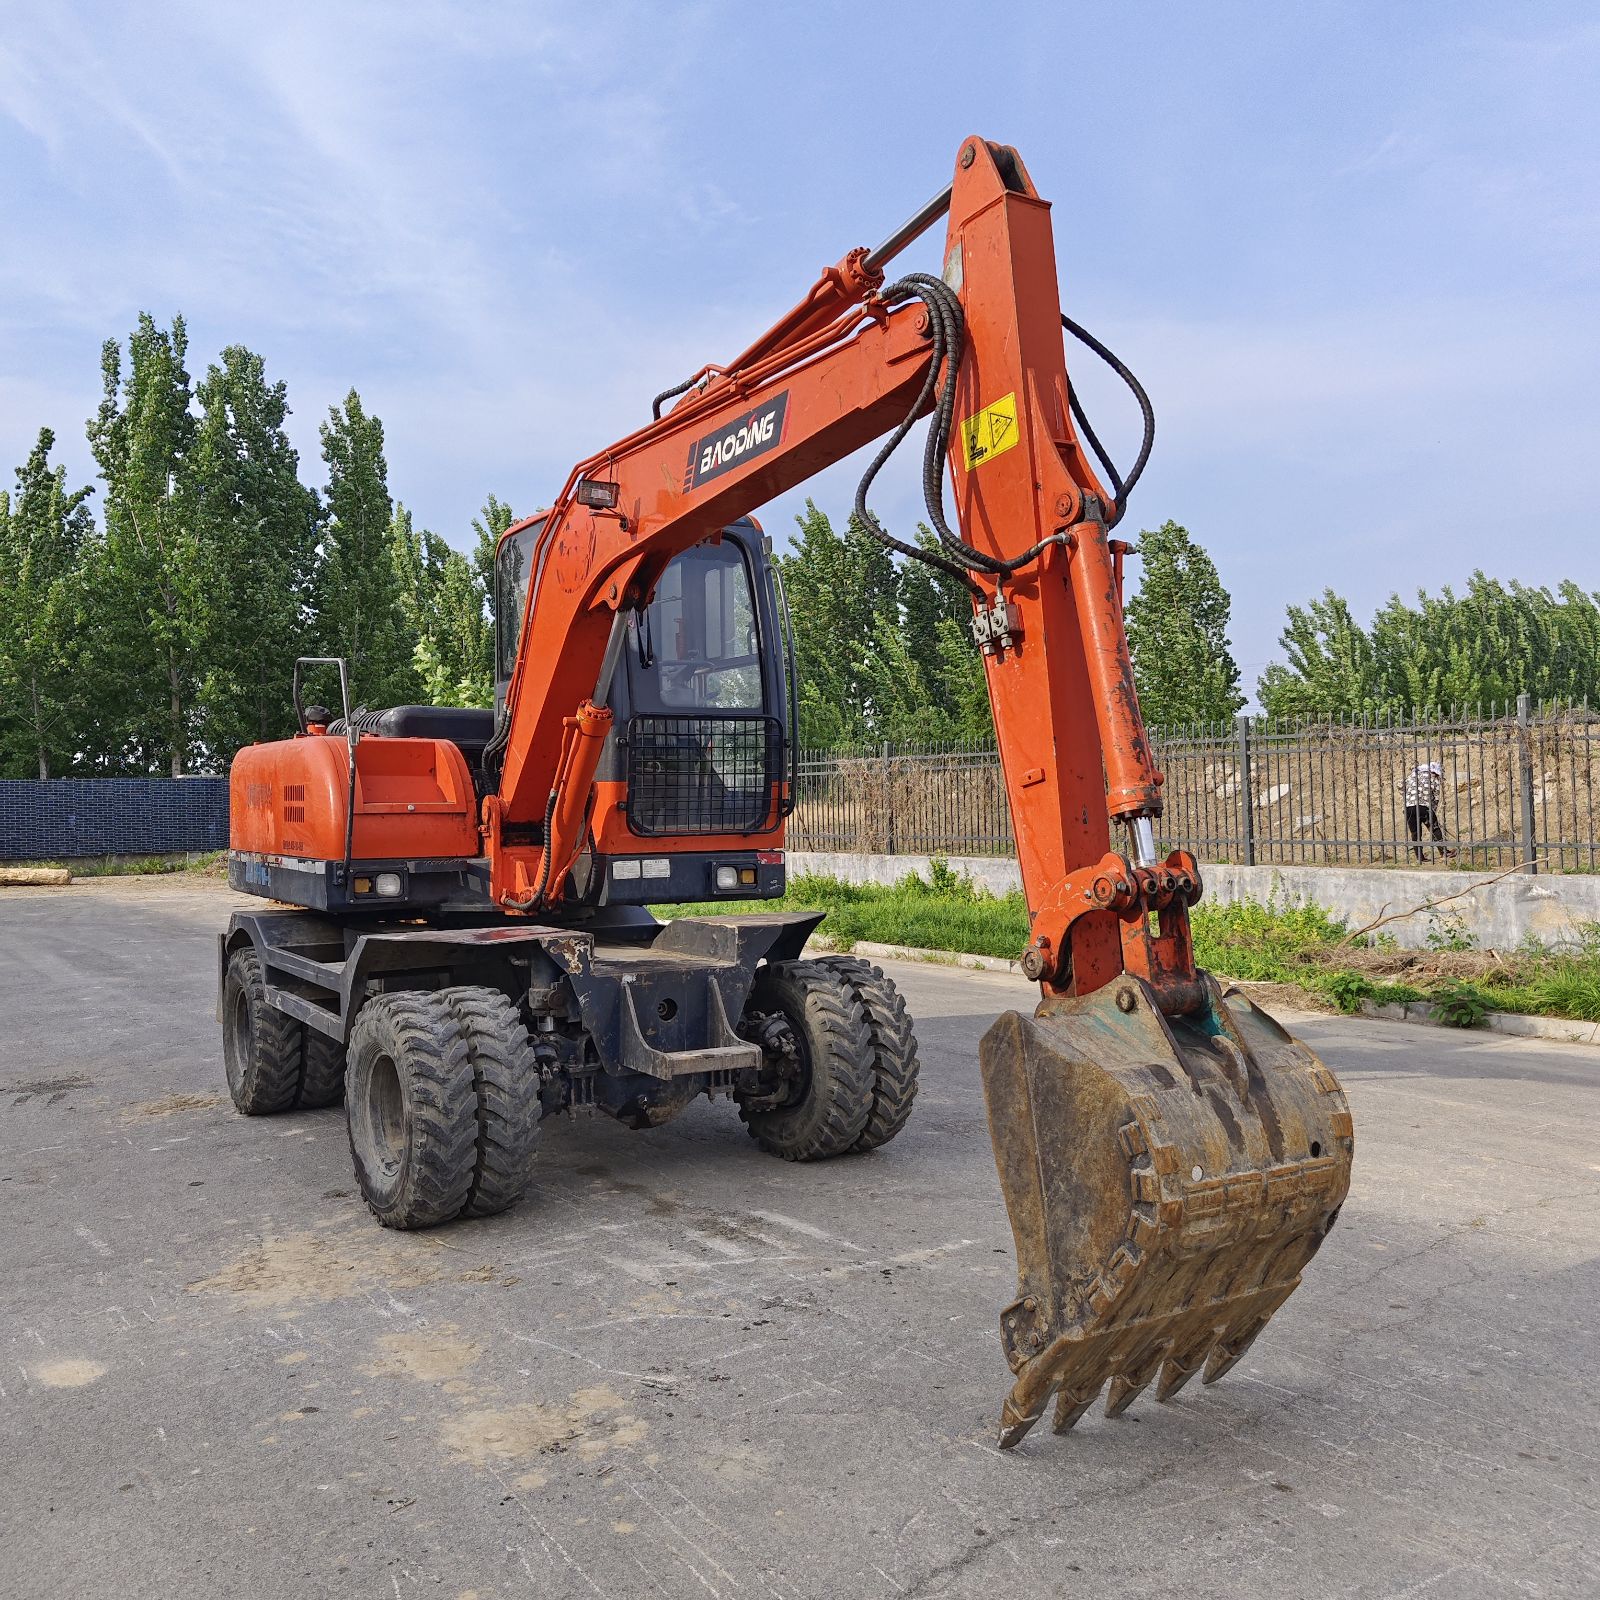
508,224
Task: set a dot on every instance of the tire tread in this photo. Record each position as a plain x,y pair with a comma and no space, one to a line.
322,1078
895,1064
270,1080
832,1117
505,1075
429,1048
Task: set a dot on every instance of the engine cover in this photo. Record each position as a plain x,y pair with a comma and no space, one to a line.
414,798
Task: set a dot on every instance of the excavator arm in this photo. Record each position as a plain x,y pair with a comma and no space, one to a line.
1169,1156
841,369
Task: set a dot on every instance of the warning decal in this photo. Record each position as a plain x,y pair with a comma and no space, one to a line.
990,432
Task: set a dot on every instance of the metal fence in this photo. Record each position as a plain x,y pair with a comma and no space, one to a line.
74,817
1518,786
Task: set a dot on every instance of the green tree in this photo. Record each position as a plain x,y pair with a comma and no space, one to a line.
1332,666
844,597
937,623
147,588
885,652
443,606
1481,648
488,525
455,658
418,557
963,683
255,526
359,601
1178,633
41,538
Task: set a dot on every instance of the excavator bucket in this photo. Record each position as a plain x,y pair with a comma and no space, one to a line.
1167,1179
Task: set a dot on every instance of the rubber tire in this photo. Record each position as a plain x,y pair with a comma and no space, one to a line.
836,1045
505,1082
322,1078
411,1109
265,1060
894,1047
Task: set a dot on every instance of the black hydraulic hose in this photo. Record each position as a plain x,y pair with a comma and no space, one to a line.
946,333
668,394
1147,411
946,329
536,899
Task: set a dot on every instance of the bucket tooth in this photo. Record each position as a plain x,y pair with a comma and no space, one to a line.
1128,1385
1176,1373
1162,1213
1016,1423
1070,1406
1227,1351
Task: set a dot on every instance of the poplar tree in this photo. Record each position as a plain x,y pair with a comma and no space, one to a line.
454,657
255,525
1177,624
146,591
1482,648
937,610
357,589
844,596
488,525
42,535
1332,666
442,605
418,557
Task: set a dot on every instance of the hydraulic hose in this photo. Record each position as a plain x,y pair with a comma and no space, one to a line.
1121,489
946,332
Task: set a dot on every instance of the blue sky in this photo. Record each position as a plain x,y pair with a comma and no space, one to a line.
1351,248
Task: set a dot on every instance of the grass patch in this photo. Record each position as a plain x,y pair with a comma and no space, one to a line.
128,867
950,913
1299,945
136,866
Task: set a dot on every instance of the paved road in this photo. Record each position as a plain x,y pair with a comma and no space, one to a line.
685,1369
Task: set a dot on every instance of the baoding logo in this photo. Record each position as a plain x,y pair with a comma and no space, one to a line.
736,442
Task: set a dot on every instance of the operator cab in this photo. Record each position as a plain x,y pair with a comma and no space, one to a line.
695,780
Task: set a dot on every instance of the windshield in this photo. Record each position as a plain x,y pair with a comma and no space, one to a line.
512,566
698,645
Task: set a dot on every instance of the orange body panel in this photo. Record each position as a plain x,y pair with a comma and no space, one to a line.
414,798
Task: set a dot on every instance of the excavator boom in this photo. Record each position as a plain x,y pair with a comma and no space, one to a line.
1170,1157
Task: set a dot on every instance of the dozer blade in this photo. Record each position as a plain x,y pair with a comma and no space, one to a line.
1167,1179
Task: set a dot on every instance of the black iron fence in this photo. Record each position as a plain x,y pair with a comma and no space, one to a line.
1516,784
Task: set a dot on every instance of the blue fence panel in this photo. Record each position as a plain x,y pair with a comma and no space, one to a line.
111,816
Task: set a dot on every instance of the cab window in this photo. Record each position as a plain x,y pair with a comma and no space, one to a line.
512,568
698,644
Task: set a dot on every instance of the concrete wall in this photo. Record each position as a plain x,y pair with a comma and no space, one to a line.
1497,916
997,874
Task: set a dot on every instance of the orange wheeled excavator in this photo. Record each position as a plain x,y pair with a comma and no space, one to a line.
473,948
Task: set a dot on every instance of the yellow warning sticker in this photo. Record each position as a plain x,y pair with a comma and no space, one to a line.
991,432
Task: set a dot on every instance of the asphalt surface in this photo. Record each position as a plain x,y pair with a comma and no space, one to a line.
682,1368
